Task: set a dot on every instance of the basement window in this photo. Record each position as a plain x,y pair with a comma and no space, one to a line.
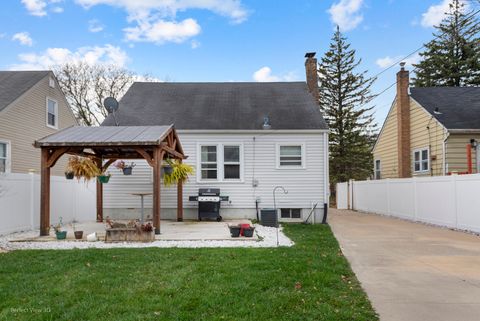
421,160
290,213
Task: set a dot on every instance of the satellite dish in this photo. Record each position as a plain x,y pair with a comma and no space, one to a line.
111,104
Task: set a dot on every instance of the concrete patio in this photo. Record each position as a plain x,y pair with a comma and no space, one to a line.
170,230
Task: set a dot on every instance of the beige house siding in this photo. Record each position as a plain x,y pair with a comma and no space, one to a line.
425,132
385,149
24,121
456,152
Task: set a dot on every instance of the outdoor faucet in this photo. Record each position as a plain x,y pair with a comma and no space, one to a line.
274,191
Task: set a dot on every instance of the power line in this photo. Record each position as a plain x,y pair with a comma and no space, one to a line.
412,53
420,48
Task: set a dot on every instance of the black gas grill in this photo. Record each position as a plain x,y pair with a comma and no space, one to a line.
209,201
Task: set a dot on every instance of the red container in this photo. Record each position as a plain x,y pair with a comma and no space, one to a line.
242,226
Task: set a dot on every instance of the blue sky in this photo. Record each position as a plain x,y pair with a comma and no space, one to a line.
214,40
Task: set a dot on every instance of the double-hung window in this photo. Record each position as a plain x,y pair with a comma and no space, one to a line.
220,162
290,156
421,160
4,157
378,169
208,164
52,113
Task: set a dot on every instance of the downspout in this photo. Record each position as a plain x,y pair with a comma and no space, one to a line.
444,147
326,178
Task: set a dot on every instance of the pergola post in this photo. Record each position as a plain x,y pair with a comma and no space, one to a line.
180,200
157,171
45,193
99,194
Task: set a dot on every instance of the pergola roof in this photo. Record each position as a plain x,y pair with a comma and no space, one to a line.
106,136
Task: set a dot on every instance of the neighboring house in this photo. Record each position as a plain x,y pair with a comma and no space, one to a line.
244,138
429,132
31,106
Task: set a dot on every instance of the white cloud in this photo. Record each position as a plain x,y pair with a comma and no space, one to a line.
345,14
107,54
36,7
264,74
39,7
151,17
163,31
195,44
95,26
435,13
23,38
387,61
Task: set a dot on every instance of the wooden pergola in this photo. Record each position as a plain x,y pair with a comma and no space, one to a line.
105,145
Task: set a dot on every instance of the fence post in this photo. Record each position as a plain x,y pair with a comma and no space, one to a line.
32,199
454,183
388,196
415,198
350,195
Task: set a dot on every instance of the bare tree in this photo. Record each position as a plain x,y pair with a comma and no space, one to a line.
86,86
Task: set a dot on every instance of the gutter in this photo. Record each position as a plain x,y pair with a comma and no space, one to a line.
251,131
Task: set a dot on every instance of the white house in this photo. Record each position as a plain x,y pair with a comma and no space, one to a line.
244,138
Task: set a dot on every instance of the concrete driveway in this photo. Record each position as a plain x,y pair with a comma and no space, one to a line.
411,271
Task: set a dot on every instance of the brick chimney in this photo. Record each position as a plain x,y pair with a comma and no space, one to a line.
403,123
312,74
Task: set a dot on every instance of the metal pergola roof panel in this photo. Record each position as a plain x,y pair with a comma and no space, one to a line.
106,136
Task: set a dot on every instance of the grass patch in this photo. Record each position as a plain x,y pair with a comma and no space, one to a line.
309,281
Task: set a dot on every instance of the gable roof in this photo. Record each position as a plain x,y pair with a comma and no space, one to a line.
217,106
13,84
458,107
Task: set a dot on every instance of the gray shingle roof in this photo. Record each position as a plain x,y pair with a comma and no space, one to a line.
458,107
234,105
14,83
106,136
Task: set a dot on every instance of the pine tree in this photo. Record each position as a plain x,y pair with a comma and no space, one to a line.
452,58
344,95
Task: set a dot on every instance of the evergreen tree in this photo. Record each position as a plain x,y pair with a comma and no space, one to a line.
452,58
344,95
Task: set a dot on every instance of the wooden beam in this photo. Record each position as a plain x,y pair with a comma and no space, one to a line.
150,160
108,163
99,194
55,155
180,201
172,152
157,170
44,193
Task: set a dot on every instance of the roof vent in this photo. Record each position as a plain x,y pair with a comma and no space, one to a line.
437,112
266,123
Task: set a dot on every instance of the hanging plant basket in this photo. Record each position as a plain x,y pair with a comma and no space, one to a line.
167,170
69,175
103,179
127,170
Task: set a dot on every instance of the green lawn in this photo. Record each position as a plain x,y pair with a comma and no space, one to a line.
309,281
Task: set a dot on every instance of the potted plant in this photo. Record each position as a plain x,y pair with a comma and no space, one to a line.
61,234
82,167
248,231
167,169
69,174
104,177
234,230
180,173
126,168
78,234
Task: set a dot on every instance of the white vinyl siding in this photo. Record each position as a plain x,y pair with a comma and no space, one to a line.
258,163
421,160
52,113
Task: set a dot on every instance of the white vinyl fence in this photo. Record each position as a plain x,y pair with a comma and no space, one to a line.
20,201
452,201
